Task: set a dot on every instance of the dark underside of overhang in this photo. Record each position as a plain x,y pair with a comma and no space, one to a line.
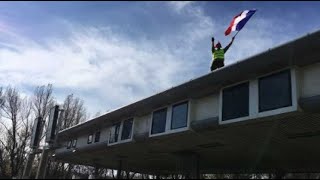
289,142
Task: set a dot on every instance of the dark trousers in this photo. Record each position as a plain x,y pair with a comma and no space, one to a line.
217,63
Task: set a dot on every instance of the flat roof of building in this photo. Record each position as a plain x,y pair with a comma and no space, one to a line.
299,52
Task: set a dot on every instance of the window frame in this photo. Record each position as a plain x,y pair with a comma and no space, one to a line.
221,121
95,136
259,88
69,144
119,141
254,98
168,129
187,114
110,128
131,134
166,121
294,94
74,145
90,142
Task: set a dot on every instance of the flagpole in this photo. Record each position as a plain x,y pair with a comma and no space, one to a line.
236,34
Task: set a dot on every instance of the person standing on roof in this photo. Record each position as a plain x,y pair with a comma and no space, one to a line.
218,54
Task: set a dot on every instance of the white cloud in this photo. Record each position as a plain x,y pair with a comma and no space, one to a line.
179,5
108,70
101,66
90,60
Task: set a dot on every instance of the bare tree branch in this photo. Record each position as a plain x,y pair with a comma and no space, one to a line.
4,126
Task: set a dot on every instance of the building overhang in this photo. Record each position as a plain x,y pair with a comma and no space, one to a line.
288,142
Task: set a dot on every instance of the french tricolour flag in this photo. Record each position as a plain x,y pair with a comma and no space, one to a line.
239,21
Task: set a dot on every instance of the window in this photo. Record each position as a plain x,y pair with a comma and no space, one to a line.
235,102
90,137
97,137
114,133
127,129
159,121
74,143
179,115
69,144
275,91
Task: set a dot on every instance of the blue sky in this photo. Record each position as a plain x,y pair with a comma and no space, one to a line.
114,53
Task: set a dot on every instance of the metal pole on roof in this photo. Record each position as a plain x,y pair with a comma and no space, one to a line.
55,119
34,145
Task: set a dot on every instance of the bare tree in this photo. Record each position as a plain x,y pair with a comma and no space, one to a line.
25,132
3,162
2,146
74,112
17,133
42,101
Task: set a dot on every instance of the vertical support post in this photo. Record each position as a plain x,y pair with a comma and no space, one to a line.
51,137
280,174
197,175
189,164
27,169
193,161
96,172
43,164
119,170
34,145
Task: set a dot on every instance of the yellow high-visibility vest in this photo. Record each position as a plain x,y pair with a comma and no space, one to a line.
218,54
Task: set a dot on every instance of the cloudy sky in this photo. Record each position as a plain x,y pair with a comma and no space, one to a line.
114,53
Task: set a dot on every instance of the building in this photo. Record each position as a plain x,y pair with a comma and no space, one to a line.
261,114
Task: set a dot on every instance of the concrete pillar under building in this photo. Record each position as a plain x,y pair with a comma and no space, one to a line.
188,165
96,172
28,167
119,170
43,164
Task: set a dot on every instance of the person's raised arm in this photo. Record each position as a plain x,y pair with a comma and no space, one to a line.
227,47
212,40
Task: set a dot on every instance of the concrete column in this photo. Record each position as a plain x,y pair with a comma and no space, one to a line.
195,166
43,164
119,170
27,169
188,165
96,172
280,174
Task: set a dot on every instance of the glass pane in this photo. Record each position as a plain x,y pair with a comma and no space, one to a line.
127,129
69,144
89,139
97,137
235,102
159,121
74,144
114,133
275,91
179,116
